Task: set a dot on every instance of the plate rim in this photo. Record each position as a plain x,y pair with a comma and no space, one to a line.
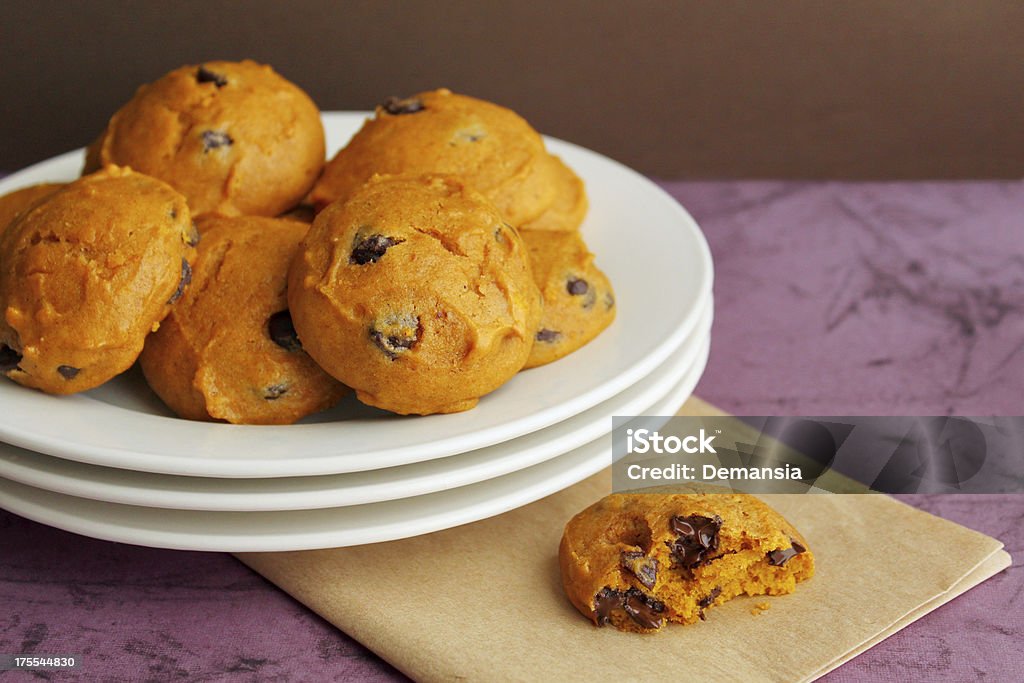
583,462
93,488
105,455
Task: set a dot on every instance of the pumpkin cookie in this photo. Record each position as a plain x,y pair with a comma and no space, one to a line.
228,350
86,274
639,560
569,207
13,203
578,298
415,293
489,147
233,137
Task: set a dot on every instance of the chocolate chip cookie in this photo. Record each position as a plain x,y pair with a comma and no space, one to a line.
13,203
489,147
86,274
637,561
569,207
233,137
578,299
416,293
228,350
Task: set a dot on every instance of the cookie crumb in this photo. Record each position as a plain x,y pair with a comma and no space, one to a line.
760,607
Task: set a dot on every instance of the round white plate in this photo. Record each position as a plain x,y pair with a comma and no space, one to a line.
326,527
355,488
648,245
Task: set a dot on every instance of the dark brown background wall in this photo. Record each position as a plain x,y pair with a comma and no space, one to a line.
895,88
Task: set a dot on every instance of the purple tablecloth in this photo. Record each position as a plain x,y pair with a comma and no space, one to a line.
831,298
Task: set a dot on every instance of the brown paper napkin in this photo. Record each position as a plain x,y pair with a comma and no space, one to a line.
484,601
995,563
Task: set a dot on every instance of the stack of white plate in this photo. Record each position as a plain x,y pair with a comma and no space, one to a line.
114,463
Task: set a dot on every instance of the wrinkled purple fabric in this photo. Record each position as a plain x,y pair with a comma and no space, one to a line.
831,298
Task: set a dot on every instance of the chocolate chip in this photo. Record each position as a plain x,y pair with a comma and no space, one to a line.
643,609
548,335
395,334
370,249
705,602
409,105
391,345
606,602
68,371
703,529
577,286
643,568
9,358
781,556
609,301
282,332
275,391
173,213
212,139
186,278
698,536
192,239
204,75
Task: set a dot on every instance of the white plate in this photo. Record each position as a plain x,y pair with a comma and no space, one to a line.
326,527
355,488
645,241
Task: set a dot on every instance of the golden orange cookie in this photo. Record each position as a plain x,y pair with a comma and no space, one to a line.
415,293
578,299
491,148
13,203
640,560
570,204
233,137
228,350
86,274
